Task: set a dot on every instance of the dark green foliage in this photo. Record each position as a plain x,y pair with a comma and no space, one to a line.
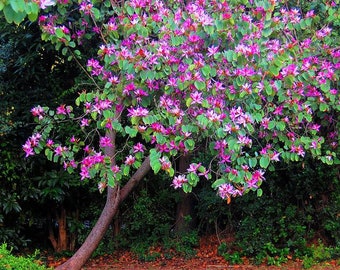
31,73
298,205
148,223
213,212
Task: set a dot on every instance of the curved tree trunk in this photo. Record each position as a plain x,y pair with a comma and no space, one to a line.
114,197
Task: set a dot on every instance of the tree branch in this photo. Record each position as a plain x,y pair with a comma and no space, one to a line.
134,180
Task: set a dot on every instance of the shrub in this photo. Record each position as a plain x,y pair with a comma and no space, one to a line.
320,253
9,261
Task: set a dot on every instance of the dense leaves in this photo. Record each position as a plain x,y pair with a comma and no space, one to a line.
250,83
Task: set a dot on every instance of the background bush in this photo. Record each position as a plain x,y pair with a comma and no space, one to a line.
9,261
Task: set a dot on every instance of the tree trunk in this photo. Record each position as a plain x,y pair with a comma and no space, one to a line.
62,230
51,235
59,240
185,216
114,197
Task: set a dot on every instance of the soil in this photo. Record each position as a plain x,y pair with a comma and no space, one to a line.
205,259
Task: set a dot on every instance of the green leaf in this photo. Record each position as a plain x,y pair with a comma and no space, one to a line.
154,160
271,124
264,162
202,120
110,180
187,188
160,138
326,86
267,32
206,71
259,192
96,13
252,162
156,167
59,33
49,154
188,102
281,125
274,70
230,55
17,5
189,144
171,172
192,179
117,125
218,182
199,85
324,107
12,16
131,131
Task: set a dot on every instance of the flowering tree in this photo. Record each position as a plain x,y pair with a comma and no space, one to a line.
247,82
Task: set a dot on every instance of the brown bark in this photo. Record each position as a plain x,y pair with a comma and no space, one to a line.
114,197
59,241
185,217
62,230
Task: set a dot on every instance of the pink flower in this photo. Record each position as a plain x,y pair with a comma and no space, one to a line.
45,3
115,169
205,173
193,38
84,173
274,156
130,160
194,167
84,122
28,149
178,181
105,142
49,143
225,191
166,164
60,150
64,110
212,50
38,112
138,112
196,97
86,7
138,148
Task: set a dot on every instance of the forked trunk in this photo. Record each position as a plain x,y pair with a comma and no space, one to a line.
114,197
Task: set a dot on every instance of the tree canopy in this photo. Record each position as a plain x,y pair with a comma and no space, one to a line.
248,83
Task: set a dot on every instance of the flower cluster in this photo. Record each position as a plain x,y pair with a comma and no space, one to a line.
246,84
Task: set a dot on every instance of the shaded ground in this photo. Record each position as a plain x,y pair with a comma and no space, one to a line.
206,259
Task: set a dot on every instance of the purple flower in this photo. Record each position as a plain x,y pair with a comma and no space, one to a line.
105,142
138,112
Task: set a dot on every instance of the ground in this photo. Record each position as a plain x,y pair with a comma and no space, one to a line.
206,259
